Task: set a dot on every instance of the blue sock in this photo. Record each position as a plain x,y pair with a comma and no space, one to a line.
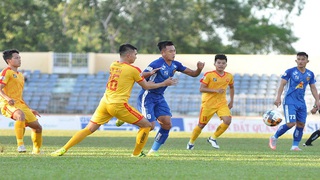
282,129
297,135
160,138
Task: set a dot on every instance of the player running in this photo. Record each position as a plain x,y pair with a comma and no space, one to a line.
152,102
114,103
213,87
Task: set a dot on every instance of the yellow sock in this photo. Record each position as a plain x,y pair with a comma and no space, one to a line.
78,137
141,140
221,129
19,131
195,134
37,141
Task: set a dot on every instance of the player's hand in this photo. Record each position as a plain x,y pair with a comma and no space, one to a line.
154,71
314,110
170,81
200,65
11,102
36,113
277,102
318,105
219,91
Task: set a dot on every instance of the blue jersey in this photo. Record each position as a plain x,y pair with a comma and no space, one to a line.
151,102
162,74
296,85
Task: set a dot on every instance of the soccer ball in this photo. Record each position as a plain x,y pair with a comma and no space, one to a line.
272,117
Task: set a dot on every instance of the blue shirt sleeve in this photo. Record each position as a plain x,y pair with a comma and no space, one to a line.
287,74
180,67
312,79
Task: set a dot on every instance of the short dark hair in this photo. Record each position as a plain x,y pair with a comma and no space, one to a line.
124,48
220,56
302,54
163,44
7,54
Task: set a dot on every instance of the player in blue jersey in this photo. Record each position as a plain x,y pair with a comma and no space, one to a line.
152,103
296,80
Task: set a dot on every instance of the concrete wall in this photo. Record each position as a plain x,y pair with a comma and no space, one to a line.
251,64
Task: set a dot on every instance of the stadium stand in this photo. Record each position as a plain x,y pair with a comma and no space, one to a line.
80,94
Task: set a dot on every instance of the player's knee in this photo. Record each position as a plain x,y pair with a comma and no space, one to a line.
201,125
300,124
167,126
36,127
227,122
39,129
290,125
19,115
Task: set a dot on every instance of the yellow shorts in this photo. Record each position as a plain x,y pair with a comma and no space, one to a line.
207,113
8,111
123,111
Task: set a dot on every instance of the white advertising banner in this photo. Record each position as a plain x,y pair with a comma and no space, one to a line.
183,124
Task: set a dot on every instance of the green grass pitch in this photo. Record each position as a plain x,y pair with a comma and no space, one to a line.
106,155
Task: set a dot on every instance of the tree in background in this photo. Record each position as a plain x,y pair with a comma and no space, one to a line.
196,27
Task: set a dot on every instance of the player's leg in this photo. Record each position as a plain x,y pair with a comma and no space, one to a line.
36,133
19,127
142,136
312,138
77,138
290,118
129,114
146,105
204,117
225,115
82,134
226,120
36,136
99,117
162,135
301,116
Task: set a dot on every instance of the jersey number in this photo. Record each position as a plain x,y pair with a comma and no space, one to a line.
113,83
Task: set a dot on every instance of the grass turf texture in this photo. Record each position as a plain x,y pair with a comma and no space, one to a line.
106,155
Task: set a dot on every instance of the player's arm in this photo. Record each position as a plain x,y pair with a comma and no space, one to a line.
151,85
2,94
277,102
231,92
194,73
204,89
315,94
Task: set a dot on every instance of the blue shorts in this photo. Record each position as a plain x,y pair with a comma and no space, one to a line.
152,106
295,112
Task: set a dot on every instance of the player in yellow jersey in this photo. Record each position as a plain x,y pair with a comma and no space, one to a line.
213,87
12,103
114,103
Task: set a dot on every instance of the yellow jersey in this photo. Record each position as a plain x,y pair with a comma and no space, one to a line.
121,80
215,81
14,84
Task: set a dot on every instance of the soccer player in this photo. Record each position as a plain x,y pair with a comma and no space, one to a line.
12,103
213,87
152,102
114,103
296,80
